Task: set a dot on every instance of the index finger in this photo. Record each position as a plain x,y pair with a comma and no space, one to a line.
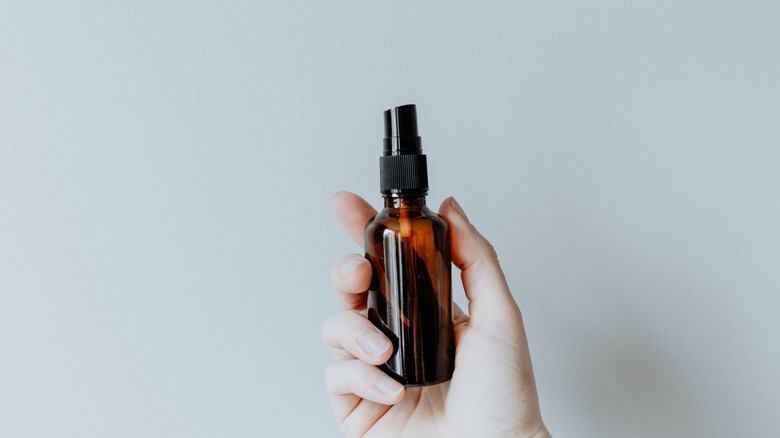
354,213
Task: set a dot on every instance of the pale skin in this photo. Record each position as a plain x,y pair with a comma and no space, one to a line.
492,393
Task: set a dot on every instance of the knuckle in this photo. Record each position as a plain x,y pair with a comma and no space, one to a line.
334,275
335,325
329,371
343,375
326,328
335,373
490,251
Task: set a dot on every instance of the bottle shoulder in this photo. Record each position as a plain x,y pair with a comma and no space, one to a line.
395,219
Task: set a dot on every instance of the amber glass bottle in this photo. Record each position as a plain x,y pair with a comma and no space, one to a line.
408,245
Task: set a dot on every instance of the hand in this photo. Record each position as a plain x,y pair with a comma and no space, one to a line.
492,392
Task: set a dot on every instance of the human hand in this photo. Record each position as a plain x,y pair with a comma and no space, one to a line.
492,392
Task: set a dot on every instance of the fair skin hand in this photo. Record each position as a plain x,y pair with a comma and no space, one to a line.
492,392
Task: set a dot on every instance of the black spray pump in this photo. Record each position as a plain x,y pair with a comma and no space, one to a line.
402,167
408,245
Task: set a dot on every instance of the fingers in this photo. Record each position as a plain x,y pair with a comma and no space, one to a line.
353,213
349,335
357,378
483,280
362,417
360,394
351,277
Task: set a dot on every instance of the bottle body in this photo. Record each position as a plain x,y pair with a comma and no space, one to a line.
410,297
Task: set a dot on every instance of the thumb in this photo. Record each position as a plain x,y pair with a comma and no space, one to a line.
490,300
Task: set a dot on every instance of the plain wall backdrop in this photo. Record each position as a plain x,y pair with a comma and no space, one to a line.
166,171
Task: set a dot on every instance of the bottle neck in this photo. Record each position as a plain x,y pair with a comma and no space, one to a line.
405,202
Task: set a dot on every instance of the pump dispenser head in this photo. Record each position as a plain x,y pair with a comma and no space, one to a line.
401,137
403,168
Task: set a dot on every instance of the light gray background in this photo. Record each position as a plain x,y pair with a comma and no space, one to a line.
166,170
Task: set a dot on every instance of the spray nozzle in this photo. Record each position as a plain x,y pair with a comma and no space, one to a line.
402,166
401,137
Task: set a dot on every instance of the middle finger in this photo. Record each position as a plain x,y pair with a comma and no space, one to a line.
348,335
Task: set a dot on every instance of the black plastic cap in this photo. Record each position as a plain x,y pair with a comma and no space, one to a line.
402,167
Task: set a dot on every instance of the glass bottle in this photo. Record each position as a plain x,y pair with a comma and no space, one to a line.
408,245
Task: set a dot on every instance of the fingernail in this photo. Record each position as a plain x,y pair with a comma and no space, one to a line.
373,342
388,386
458,208
347,266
